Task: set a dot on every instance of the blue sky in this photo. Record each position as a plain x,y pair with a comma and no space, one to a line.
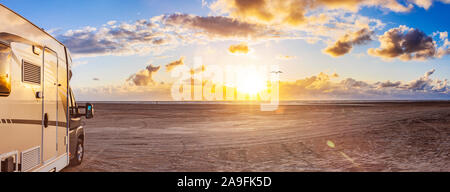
71,14
113,69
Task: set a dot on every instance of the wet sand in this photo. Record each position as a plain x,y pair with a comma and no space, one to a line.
359,137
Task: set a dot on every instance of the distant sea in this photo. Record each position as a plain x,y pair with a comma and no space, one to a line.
294,102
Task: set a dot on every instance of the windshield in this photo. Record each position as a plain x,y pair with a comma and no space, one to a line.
5,76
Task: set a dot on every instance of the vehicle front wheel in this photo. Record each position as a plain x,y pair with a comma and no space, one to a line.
79,153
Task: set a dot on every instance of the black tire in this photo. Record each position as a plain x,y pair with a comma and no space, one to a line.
79,153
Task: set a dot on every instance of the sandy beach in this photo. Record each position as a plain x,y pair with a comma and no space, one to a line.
406,136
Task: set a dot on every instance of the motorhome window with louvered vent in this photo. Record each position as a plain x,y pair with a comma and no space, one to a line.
31,73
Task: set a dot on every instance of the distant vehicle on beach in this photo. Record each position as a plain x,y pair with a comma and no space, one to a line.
40,121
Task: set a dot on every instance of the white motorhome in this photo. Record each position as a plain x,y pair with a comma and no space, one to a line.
40,122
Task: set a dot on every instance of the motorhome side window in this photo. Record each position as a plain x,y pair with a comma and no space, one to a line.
5,73
73,104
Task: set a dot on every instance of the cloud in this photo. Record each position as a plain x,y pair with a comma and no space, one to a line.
219,26
122,39
173,65
309,20
350,83
159,34
96,79
204,3
164,32
198,70
445,48
405,43
144,77
316,87
192,28
297,12
345,43
426,4
335,75
423,3
422,83
310,85
111,22
159,41
388,83
242,20
322,87
241,48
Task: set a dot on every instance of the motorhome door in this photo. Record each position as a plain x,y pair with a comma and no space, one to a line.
50,106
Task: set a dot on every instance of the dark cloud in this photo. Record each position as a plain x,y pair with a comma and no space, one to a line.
422,83
87,41
426,84
388,84
339,49
112,39
362,36
345,44
352,83
173,65
219,26
405,43
159,41
144,77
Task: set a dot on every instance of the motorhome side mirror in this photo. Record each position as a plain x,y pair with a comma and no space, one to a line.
89,111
